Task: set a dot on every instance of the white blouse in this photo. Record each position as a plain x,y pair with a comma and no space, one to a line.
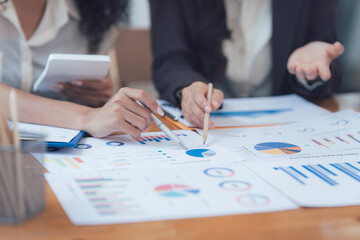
248,51
22,60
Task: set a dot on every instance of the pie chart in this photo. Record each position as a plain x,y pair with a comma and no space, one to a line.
277,148
115,143
83,146
201,153
175,190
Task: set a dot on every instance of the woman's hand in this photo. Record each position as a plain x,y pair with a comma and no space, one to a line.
194,103
92,93
313,60
122,113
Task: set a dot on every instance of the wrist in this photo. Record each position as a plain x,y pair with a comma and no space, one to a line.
84,122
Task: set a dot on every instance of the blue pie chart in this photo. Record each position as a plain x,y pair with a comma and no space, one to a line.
115,143
201,153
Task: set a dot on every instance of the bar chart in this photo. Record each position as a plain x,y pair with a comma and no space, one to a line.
327,181
108,196
328,173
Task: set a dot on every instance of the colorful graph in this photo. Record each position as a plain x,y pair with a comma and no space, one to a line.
329,141
176,190
66,162
249,113
219,172
235,186
108,196
277,148
83,146
253,200
201,153
327,173
115,143
156,138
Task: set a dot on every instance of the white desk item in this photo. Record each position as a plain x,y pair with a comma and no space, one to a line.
70,67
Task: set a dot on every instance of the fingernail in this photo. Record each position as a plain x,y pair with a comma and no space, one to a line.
215,103
207,109
57,87
76,83
212,126
160,111
325,77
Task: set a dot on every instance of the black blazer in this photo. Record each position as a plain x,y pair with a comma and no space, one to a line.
187,36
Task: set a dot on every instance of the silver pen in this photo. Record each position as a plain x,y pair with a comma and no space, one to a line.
164,128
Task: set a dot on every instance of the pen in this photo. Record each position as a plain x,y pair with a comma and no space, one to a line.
164,128
207,115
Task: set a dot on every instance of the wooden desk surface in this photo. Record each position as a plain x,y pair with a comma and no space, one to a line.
340,223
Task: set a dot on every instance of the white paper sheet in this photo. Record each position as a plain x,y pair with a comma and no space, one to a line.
123,151
323,182
49,134
148,194
257,111
338,132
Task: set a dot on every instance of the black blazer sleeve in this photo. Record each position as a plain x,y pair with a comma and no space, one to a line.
174,64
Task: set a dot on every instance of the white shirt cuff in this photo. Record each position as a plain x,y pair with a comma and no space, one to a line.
309,87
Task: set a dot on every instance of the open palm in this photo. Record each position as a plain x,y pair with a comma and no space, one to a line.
313,60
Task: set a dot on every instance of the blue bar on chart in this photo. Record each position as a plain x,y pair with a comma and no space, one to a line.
353,138
294,173
156,138
341,139
322,172
348,169
318,143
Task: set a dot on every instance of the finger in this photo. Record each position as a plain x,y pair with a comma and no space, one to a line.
201,102
299,73
216,99
135,120
335,50
197,116
324,72
143,97
192,113
135,108
311,73
129,129
104,83
292,68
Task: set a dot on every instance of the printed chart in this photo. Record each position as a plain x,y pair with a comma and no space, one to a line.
123,152
322,182
164,193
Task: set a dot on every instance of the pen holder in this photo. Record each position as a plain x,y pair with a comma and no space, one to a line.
22,191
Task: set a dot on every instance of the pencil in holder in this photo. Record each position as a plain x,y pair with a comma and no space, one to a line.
22,189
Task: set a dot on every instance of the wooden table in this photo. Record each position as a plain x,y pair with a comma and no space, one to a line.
321,223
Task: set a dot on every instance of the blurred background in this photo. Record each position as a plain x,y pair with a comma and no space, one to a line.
133,52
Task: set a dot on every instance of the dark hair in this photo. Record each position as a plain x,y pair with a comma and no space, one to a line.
97,16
